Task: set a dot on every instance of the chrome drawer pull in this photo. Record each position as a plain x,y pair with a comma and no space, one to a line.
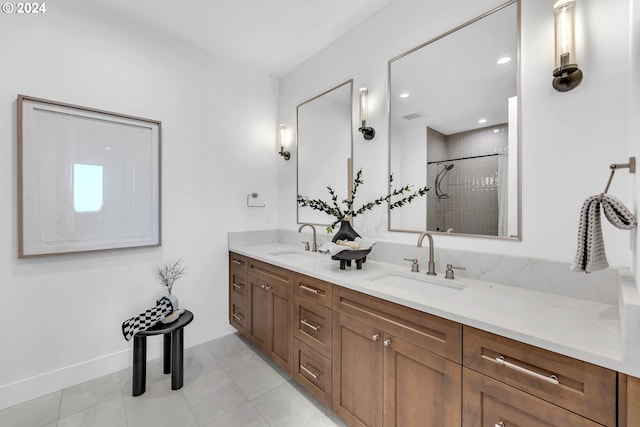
238,317
235,261
550,379
499,424
309,325
235,285
313,374
309,288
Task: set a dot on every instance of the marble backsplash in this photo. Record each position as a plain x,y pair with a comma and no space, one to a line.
531,273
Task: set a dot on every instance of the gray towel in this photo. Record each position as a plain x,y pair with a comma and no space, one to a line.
590,255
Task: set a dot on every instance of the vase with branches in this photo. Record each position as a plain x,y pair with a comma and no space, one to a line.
344,210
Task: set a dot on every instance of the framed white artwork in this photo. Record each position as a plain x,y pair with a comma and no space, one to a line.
88,179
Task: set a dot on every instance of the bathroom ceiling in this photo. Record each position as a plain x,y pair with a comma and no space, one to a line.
272,35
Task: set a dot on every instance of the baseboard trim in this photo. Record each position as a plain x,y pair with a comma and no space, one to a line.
52,381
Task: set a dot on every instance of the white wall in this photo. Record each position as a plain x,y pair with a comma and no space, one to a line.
568,139
62,314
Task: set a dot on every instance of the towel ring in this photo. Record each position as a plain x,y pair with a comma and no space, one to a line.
631,166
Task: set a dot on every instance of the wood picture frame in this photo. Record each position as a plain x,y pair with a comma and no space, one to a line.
88,179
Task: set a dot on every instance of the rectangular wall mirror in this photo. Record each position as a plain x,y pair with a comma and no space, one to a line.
324,148
454,126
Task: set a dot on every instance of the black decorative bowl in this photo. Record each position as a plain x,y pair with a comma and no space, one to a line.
345,258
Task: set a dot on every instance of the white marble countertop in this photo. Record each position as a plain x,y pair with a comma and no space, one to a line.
586,330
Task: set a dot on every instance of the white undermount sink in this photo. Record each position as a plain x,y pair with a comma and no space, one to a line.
411,285
292,254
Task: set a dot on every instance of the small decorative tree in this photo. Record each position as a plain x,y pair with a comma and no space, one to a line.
347,212
169,273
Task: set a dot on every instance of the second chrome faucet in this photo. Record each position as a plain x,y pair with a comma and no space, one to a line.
431,269
315,244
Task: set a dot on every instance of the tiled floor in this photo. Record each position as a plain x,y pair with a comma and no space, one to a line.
227,383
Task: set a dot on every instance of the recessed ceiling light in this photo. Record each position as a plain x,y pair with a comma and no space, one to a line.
503,60
482,121
404,95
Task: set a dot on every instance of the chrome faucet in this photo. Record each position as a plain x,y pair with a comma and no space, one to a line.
431,270
315,244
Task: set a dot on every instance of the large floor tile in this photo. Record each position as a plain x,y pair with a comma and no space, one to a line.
36,412
198,353
244,416
82,396
212,394
227,345
285,406
157,408
107,414
251,373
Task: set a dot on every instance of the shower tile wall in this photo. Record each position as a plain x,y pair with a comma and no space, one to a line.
471,185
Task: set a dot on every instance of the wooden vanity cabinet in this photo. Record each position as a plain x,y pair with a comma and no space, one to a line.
384,370
381,364
270,304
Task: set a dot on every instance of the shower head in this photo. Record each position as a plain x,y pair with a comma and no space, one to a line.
440,177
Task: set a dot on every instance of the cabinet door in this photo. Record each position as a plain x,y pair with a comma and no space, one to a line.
421,389
258,316
279,338
628,398
357,372
488,402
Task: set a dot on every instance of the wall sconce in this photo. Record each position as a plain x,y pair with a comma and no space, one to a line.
367,132
283,137
567,75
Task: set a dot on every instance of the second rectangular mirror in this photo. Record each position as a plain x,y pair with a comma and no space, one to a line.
453,126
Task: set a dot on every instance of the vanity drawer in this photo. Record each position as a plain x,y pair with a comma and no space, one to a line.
313,324
578,386
432,333
238,262
238,315
312,370
488,402
238,285
313,289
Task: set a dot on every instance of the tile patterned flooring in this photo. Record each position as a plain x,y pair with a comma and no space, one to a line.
227,383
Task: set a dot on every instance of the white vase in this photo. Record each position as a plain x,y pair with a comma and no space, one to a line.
174,301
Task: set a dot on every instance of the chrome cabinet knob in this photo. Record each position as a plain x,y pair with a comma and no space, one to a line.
387,342
375,337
